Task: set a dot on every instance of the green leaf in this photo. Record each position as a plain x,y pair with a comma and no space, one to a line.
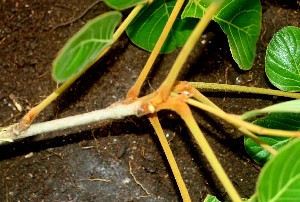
241,22
260,155
283,59
123,4
146,28
279,179
292,106
283,121
84,47
210,198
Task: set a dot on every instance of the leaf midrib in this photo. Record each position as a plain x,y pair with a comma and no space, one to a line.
220,19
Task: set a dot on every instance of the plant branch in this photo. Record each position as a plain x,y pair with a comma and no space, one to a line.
186,87
235,120
178,104
182,87
127,21
135,90
243,89
115,111
211,157
170,157
165,88
256,139
30,116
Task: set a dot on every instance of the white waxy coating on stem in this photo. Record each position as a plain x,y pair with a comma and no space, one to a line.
115,111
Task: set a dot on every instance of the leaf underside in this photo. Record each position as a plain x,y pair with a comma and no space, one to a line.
283,59
84,47
283,121
146,28
241,22
292,106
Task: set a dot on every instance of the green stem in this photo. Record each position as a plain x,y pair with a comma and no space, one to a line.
243,89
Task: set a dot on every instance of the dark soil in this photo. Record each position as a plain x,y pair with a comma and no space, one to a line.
68,165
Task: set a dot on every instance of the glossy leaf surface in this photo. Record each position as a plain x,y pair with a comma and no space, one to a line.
146,28
210,198
84,47
284,121
279,179
241,22
283,59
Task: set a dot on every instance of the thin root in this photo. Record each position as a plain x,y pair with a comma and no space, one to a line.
131,173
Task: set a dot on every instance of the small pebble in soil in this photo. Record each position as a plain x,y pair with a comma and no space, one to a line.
126,180
238,80
27,156
122,151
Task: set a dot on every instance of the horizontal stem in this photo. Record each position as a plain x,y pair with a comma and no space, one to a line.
256,139
243,89
201,98
24,123
115,111
235,120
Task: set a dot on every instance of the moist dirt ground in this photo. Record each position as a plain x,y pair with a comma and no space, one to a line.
119,160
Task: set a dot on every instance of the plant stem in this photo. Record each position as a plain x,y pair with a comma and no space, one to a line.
211,157
183,86
264,145
200,97
185,113
127,21
30,116
170,157
235,120
168,83
115,111
243,89
135,90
